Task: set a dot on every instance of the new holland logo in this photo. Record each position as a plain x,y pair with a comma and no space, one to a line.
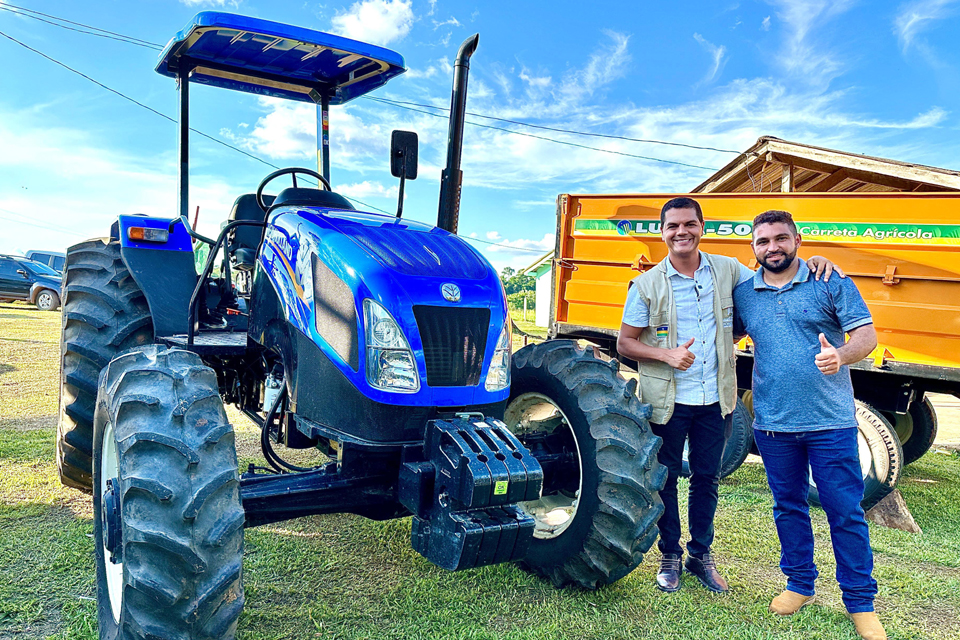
451,292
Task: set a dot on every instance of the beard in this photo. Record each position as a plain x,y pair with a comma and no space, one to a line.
778,267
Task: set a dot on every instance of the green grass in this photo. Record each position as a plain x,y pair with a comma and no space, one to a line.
346,577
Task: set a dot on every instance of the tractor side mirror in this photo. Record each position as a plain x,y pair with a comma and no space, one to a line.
403,154
22,272
403,160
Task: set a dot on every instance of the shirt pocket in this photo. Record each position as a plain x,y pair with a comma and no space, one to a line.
655,380
660,326
726,311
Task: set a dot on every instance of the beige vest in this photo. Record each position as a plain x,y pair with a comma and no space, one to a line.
657,385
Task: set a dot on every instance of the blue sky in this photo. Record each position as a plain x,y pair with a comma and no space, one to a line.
879,78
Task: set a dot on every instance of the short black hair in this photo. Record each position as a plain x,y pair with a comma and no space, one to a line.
681,203
775,215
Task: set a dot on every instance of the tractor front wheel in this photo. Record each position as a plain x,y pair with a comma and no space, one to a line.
168,523
595,521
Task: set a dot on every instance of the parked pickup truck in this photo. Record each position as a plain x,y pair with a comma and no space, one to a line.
901,249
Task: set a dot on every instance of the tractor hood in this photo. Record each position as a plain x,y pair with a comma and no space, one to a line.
324,263
411,248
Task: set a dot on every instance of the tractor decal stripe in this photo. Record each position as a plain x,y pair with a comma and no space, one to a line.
286,264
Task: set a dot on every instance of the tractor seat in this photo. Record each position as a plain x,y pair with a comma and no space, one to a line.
243,241
298,197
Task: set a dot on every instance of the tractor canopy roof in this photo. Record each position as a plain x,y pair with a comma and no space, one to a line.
279,60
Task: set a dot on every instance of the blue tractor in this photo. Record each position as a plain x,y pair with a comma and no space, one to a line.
382,342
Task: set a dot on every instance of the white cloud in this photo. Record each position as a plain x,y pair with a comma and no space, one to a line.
716,53
368,189
805,56
917,17
765,25
451,22
212,3
376,21
521,245
85,185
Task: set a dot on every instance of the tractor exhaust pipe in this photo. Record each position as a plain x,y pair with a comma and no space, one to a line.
451,178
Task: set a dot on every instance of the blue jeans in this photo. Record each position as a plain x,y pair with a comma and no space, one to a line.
704,426
832,456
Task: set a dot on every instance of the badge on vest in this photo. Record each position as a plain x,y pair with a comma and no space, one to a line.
728,317
663,331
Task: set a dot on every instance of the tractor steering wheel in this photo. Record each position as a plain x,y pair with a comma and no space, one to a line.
292,171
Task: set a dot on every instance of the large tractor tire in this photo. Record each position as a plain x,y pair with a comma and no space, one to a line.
168,524
104,313
916,429
738,440
881,457
595,524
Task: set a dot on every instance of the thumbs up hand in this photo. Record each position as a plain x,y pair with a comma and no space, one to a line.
828,360
681,357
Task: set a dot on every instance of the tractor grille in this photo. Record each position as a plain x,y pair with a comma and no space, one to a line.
454,340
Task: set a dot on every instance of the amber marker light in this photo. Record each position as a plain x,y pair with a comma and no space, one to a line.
146,234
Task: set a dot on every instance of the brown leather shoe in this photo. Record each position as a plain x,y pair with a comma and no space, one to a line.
868,626
706,571
789,602
669,577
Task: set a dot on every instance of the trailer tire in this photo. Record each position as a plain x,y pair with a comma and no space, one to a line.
104,313
738,441
581,402
166,501
881,457
917,429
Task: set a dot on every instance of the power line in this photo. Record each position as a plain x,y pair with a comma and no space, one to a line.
20,11
563,142
80,24
569,131
496,244
400,104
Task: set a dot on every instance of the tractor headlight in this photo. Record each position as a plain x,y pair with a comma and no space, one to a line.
390,362
498,376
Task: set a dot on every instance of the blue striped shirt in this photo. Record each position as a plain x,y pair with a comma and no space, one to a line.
693,298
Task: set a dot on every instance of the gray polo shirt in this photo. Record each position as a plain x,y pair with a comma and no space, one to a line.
789,391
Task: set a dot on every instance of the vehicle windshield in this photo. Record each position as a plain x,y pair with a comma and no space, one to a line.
39,269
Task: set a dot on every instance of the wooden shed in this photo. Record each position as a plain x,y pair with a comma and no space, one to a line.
773,165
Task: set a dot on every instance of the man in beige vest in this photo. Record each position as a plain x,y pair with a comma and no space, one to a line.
678,326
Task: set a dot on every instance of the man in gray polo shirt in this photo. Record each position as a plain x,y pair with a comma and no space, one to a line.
805,415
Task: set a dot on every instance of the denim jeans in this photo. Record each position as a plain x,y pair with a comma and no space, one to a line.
832,456
704,426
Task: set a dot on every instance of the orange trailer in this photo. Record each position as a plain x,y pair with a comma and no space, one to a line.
901,249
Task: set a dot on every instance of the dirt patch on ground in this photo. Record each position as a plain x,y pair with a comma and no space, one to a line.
948,419
30,423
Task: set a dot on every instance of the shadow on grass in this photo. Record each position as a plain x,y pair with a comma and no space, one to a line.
6,368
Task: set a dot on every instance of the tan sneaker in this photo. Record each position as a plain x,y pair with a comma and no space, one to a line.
868,626
789,602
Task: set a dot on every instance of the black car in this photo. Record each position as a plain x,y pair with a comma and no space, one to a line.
24,279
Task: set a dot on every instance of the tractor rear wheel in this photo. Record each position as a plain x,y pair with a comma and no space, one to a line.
104,313
594,524
881,457
168,524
